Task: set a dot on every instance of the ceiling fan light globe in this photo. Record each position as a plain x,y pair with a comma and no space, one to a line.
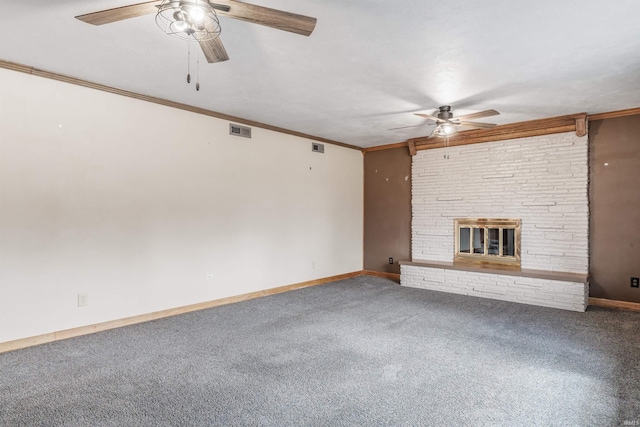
196,14
445,130
448,129
180,27
179,16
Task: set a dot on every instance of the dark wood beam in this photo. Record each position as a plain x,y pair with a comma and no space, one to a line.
509,131
412,147
581,124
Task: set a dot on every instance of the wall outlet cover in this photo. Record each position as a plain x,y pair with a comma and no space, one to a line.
635,282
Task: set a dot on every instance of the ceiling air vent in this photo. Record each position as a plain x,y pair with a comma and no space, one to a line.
238,130
317,148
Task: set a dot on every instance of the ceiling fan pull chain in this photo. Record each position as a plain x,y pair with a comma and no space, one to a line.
198,71
188,62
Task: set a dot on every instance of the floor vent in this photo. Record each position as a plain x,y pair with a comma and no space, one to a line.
238,130
317,148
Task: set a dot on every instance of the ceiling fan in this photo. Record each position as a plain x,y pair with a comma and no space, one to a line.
198,20
447,124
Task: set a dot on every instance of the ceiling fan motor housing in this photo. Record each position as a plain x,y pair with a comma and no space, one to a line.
445,112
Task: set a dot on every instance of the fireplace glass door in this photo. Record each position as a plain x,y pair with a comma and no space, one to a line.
484,240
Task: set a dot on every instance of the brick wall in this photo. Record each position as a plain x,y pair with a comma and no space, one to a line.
561,294
542,180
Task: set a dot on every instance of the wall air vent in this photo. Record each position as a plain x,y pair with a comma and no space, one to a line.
317,148
238,130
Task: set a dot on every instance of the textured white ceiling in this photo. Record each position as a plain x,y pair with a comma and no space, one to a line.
366,68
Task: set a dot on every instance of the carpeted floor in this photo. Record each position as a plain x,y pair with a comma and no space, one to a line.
362,351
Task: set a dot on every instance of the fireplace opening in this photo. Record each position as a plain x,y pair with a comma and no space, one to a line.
487,241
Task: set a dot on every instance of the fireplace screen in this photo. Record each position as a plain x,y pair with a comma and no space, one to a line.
487,240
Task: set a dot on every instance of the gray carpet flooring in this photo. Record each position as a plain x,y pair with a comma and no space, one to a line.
362,351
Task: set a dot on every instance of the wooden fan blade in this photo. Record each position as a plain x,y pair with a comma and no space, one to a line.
406,127
281,20
478,125
426,116
120,13
478,115
286,21
213,50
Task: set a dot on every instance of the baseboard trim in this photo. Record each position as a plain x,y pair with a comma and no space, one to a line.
392,276
611,303
98,327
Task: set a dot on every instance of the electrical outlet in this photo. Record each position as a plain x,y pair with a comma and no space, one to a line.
210,276
83,300
313,264
635,282
390,260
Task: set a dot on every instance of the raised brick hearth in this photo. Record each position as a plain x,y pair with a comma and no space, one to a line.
558,290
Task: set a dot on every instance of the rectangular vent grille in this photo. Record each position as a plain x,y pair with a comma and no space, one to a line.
238,130
317,148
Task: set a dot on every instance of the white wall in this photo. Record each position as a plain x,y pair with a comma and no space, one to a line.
135,203
542,180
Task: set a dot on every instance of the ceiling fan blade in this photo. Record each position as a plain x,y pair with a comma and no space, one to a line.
286,21
222,7
426,116
477,125
213,50
478,115
406,127
120,13
281,20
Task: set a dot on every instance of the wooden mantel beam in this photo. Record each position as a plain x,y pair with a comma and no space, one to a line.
581,124
515,130
412,147
570,123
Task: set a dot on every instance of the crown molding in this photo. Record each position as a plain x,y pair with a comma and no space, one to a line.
104,88
614,114
384,147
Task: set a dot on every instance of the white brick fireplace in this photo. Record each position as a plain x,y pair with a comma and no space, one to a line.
541,180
